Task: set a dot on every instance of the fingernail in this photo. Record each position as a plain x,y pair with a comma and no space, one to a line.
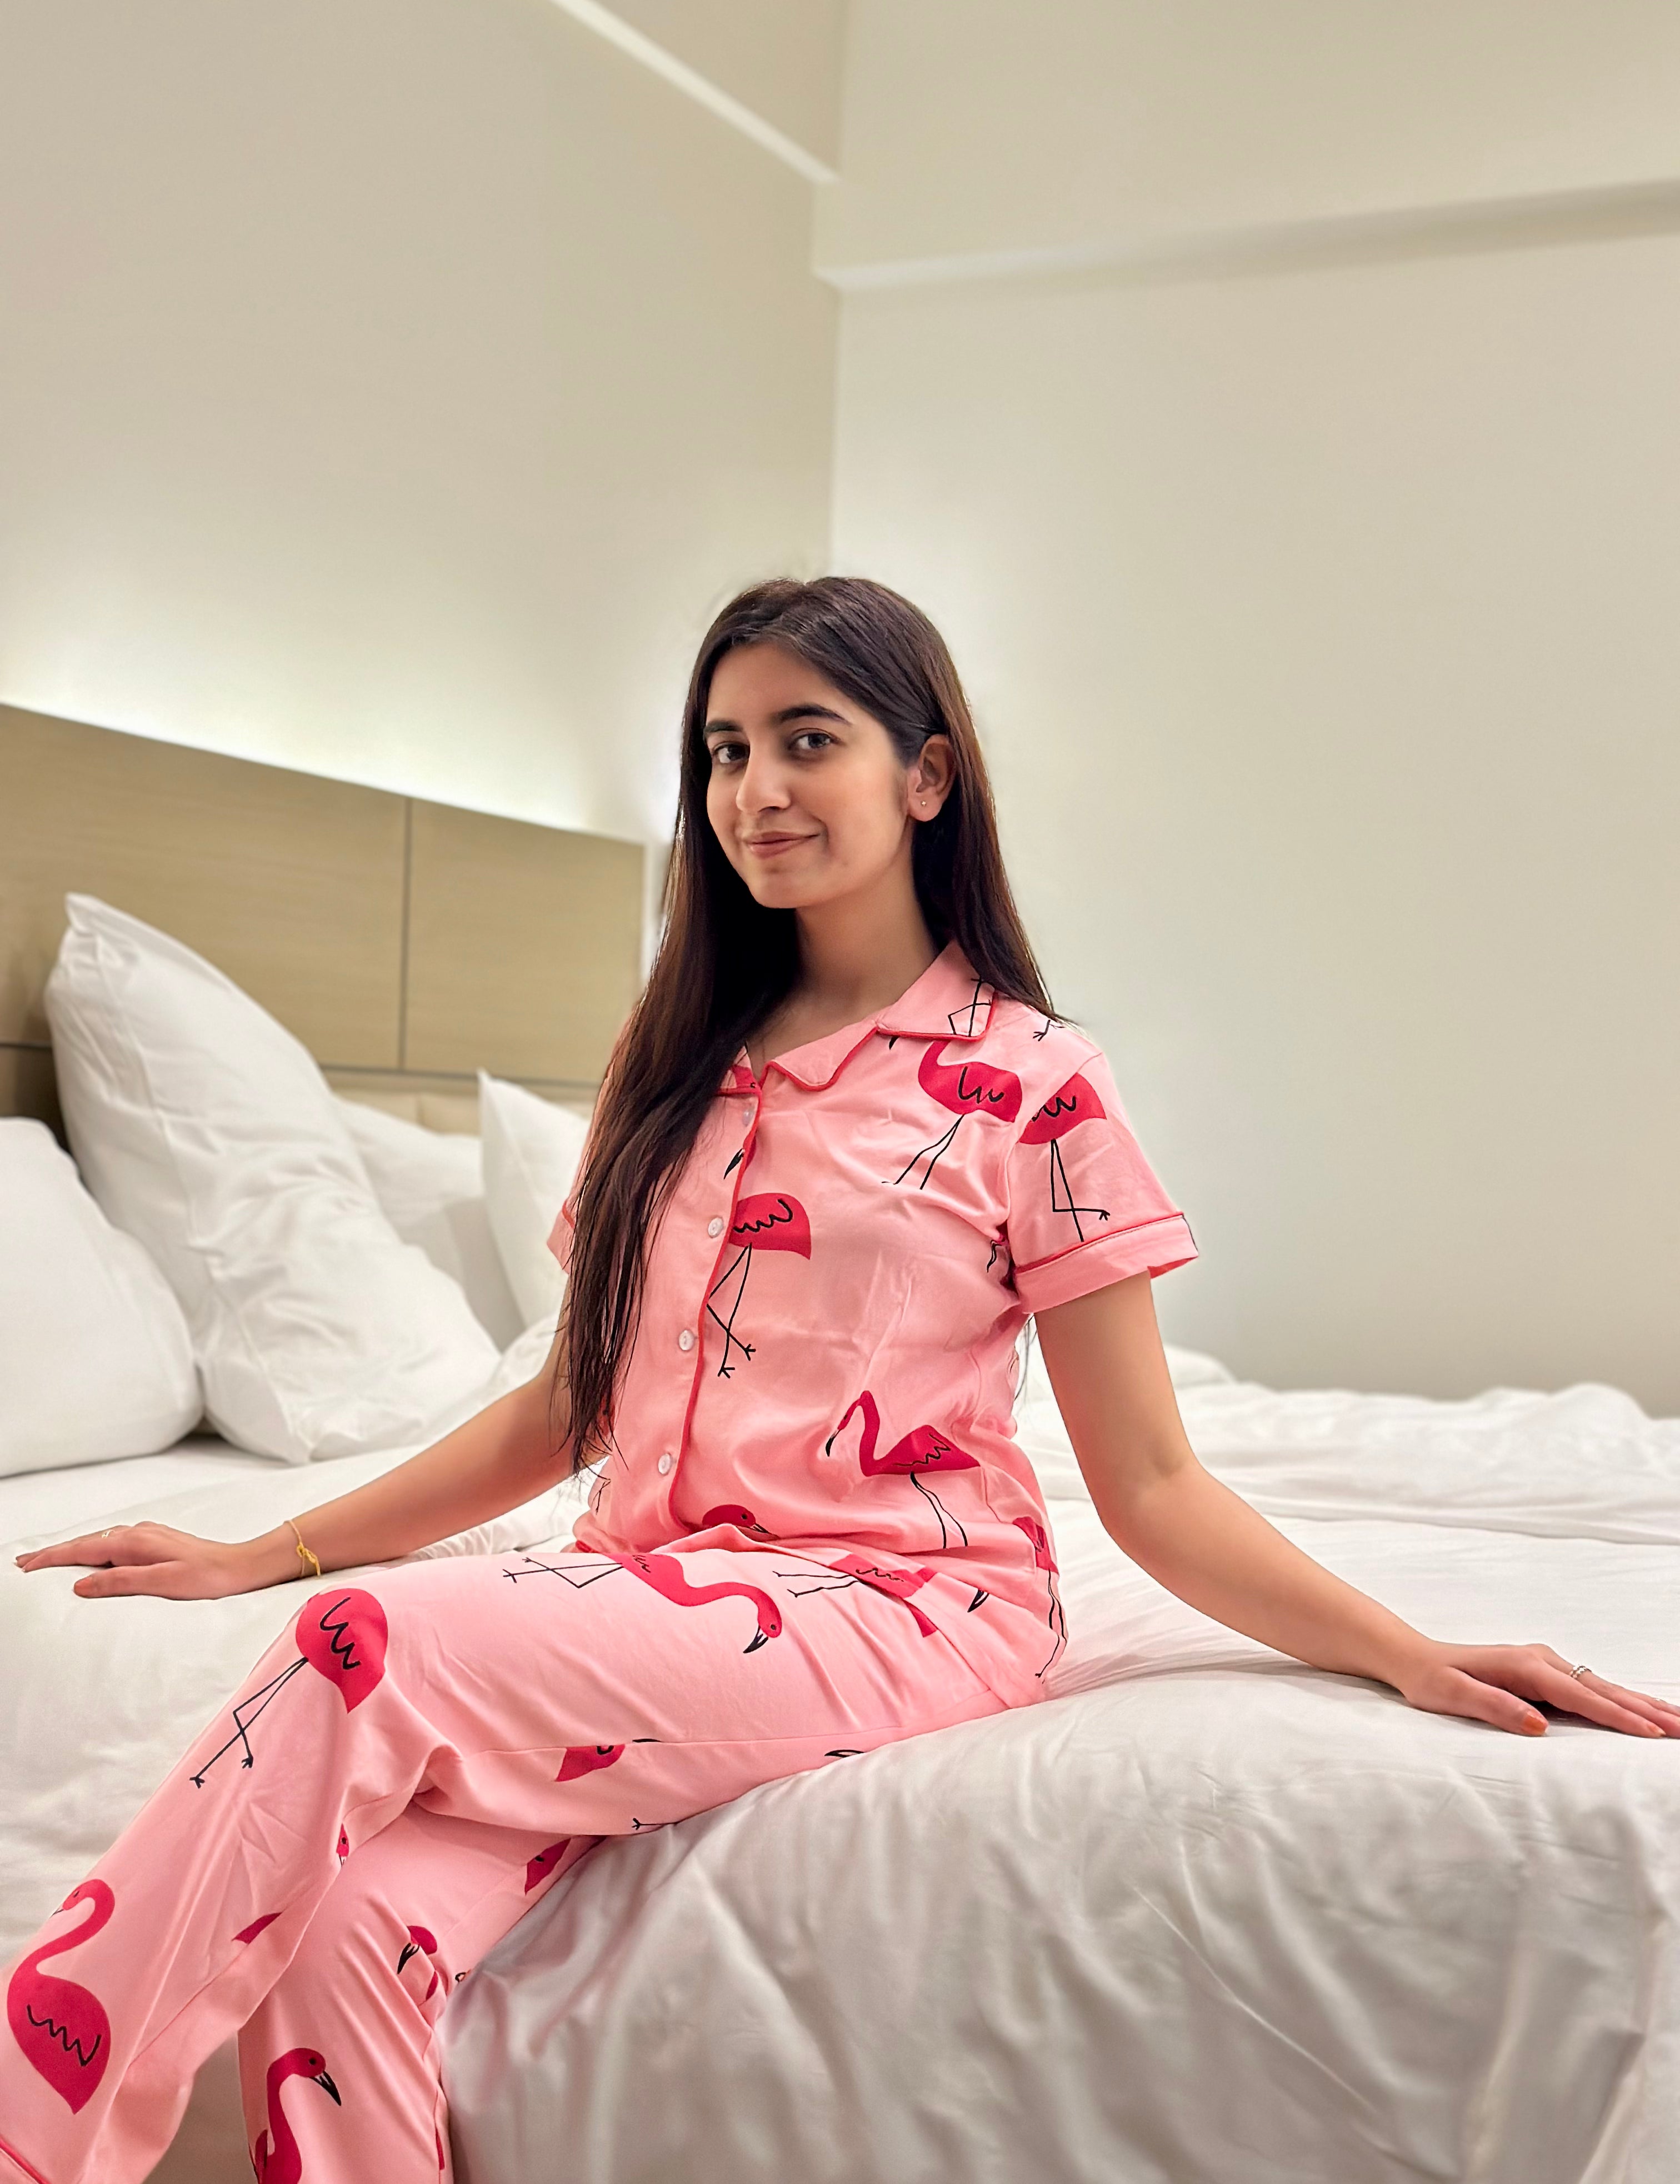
1535,1724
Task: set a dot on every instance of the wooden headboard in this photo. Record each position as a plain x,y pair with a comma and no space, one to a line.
408,945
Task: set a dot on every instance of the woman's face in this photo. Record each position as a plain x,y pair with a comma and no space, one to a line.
806,792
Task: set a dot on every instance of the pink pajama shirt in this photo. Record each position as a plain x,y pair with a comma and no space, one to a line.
813,1534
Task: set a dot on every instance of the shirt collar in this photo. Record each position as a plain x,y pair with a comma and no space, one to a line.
948,1001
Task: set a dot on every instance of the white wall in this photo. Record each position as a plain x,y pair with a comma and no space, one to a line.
781,58
395,390
391,389
1324,629
978,127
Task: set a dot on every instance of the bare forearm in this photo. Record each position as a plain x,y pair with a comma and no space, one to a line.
489,1465
1205,1543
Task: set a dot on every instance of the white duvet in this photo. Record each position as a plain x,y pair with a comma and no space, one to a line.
1203,1915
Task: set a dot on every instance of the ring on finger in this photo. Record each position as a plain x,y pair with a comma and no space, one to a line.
1580,1669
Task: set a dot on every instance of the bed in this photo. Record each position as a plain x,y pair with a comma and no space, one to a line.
1203,1914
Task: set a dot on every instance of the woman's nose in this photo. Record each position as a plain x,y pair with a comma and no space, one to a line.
762,786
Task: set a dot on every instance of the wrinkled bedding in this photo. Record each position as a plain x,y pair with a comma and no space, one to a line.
1205,1916
1202,1914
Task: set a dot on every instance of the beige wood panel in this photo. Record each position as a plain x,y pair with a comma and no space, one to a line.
439,1102
418,1099
523,946
290,883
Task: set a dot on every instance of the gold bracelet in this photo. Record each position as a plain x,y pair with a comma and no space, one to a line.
306,1556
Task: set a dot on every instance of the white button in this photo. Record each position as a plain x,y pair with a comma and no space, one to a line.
714,1226
686,1340
664,1463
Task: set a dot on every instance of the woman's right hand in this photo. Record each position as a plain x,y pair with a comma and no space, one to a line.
149,1558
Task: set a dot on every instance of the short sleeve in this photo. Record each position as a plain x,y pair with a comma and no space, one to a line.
560,1235
1085,1208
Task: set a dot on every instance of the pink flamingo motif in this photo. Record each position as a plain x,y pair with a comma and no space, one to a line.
276,2157
1044,1560
250,1933
665,1574
62,2028
343,1636
538,1868
852,1569
924,1448
582,1759
973,1088
420,1939
581,1573
732,1512
1064,1111
768,1221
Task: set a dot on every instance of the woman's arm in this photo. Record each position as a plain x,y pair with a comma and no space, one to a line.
494,1461
1202,1541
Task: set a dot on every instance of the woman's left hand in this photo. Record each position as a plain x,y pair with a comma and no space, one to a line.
1496,1683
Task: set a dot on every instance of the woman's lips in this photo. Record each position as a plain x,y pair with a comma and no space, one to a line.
773,845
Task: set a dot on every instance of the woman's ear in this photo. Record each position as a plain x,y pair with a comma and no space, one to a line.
931,778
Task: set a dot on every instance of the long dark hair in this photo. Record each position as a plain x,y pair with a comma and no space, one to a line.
724,961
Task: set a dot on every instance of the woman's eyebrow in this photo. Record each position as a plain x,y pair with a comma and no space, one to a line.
806,712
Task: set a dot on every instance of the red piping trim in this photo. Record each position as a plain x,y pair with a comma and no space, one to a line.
28,2168
1103,1236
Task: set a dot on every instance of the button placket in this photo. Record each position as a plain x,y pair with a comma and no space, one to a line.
669,1466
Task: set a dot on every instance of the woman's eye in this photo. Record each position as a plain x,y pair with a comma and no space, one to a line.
807,744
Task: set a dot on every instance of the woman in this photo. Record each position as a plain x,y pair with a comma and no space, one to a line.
866,1149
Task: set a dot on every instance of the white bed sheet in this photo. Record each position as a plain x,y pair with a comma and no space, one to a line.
62,1502
1204,1915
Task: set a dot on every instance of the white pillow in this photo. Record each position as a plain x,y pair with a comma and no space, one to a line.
430,1185
205,1129
95,1357
531,1155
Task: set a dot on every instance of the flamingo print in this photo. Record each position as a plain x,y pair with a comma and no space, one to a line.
576,1576
420,1939
582,1759
768,1221
972,1088
1076,1102
276,2157
665,1574
924,1448
539,1868
250,1933
852,1569
1044,1560
587,1759
62,2028
732,1512
343,1636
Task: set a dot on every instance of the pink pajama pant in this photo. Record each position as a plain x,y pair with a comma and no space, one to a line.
401,1776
